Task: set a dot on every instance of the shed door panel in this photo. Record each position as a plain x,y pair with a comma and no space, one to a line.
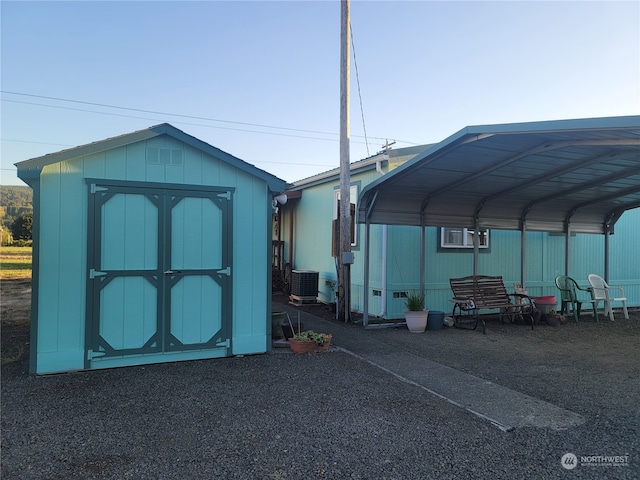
134,323
198,272
159,272
125,273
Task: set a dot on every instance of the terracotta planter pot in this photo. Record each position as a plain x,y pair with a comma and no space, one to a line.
416,321
307,346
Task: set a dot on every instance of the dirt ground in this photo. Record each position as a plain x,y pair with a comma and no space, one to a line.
15,310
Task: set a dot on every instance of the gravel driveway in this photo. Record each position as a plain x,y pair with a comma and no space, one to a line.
333,415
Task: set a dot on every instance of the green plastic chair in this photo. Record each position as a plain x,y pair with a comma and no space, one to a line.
569,294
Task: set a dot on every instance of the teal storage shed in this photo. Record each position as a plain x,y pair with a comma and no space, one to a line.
149,247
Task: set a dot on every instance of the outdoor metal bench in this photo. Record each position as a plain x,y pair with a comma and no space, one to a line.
477,293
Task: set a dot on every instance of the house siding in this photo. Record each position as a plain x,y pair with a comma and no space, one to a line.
545,256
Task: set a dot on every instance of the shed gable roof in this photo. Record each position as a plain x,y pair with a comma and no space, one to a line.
30,169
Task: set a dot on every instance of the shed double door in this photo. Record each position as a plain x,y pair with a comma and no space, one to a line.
159,262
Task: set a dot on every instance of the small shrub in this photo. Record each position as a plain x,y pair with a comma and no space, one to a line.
414,301
309,335
21,243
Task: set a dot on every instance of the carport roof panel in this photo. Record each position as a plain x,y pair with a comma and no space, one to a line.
585,172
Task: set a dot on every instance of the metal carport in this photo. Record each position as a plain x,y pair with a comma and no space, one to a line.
570,176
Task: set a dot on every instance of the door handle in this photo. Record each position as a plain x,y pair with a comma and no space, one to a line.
171,272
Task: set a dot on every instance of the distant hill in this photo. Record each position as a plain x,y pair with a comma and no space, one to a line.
14,201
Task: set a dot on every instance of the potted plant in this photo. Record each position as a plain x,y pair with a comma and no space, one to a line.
415,314
310,341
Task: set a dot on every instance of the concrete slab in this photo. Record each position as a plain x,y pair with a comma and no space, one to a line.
503,407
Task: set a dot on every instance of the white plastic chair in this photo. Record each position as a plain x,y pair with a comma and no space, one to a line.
604,292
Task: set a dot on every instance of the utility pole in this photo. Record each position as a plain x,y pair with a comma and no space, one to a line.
345,256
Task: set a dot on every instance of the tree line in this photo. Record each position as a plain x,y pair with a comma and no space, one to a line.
16,214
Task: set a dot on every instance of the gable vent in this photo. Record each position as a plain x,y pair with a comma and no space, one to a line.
164,156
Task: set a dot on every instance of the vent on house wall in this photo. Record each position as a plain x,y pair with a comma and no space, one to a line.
164,156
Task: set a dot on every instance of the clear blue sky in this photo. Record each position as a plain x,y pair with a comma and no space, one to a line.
261,80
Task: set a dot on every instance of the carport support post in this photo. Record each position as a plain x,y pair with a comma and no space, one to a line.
423,257
607,246
476,247
365,300
567,250
523,253
367,255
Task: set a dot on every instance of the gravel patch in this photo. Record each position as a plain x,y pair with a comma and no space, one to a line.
332,415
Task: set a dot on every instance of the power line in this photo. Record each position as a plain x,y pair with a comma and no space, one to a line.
355,63
153,112
35,143
161,120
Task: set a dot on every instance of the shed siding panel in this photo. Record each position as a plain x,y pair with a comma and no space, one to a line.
194,166
155,173
95,166
210,170
49,287
251,248
73,222
115,163
61,288
134,158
